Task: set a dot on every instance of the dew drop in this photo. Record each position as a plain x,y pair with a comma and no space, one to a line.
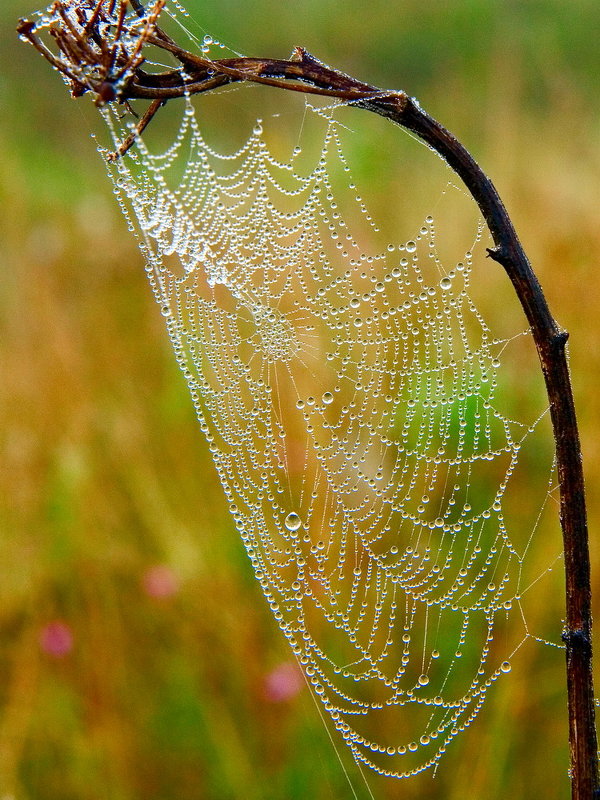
327,398
292,522
446,283
410,247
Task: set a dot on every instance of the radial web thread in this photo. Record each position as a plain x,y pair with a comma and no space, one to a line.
348,399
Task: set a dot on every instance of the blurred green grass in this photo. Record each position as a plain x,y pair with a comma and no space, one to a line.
105,473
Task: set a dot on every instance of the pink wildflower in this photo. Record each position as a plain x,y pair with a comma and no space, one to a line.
160,581
283,682
56,639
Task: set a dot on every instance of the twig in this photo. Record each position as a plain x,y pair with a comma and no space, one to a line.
137,131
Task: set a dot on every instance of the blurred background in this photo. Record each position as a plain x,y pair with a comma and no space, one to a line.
138,658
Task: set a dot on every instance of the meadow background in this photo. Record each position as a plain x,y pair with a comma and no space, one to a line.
138,658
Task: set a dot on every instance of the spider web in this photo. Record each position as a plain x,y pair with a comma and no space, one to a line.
349,393
348,398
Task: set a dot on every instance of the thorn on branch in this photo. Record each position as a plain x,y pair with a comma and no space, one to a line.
302,56
499,254
559,341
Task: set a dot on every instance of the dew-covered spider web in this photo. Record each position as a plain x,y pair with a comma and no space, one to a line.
350,392
349,404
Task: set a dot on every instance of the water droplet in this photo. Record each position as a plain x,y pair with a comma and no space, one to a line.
423,680
292,522
446,283
505,666
327,398
410,247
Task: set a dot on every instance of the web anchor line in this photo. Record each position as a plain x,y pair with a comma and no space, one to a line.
100,47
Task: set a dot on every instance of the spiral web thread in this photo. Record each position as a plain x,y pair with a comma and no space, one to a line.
348,395
349,405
